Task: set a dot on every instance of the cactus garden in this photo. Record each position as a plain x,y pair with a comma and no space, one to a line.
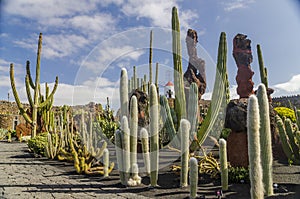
172,144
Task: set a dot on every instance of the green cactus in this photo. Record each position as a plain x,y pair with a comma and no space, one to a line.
133,129
156,78
262,68
166,115
145,148
255,170
37,103
265,139
126,147
224,165
124,93
119,154
154,140
184,132
150,58
193,107
215,117
105,162
193,177
180,103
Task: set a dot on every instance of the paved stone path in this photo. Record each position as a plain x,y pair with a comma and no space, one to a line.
23,176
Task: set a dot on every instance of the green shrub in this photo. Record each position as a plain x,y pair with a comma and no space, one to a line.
238,175
285,112
225,133
38,143
3,133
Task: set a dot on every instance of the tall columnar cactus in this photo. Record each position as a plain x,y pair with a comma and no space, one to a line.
154,140
145,148
156,78
193,177
262,68
126,147
37,103
124,93
224,165
184,131
193,110
180,103
255,170
150,57
133,130
265,139
220,97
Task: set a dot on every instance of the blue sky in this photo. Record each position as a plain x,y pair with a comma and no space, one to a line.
86,43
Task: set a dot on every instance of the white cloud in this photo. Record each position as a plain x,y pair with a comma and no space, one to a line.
288,88
236,4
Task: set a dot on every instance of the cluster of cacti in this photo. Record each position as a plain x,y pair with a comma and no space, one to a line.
38,103
223,164
290,138
209,165
255,169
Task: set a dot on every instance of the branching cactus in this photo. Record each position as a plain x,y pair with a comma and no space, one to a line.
224,165
37,102
184,131
193,177
145,148
265,139
255,170
154,140
133,130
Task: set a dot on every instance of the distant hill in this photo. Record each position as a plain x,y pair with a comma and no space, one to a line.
287,101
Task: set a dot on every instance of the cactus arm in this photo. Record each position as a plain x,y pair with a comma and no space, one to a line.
17,99
50,97
29,97
180,105
29,75
255,170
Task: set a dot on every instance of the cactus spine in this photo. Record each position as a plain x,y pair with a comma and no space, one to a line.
180,105
255,170
265,139
184,131
133,130
124,93
223,163
145,149
262,68
193,177
154,142
193,109
37,103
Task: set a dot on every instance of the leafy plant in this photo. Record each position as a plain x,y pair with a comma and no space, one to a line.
3,133
238,174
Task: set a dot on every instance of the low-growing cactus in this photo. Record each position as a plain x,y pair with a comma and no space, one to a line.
184,131
145,148
224,165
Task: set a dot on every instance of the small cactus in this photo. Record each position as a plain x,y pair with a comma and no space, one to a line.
184,131
105,162
145,149
224,165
